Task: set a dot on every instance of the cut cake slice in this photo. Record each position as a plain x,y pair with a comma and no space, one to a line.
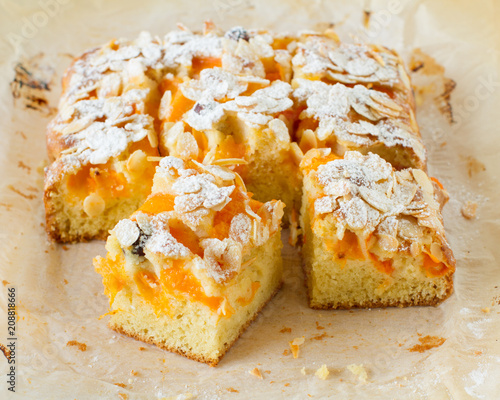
195,264
373,236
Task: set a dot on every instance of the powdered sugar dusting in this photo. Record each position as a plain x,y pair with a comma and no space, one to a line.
380,119
366,195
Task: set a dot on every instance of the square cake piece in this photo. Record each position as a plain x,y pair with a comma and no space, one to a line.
99,141
195,264
373,236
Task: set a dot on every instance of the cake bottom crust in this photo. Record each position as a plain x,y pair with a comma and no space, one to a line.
196,357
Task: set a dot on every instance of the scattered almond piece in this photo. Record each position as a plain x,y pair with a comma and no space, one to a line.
256,372
232,390
286,330
123,396
469,209
322,372
81,346
294,345
359,371
485,310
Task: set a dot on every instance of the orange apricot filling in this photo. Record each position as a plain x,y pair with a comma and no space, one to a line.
201,63
157,203
98,179
433,268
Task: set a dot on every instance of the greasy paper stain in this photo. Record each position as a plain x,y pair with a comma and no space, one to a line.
427,343
31,81
436,85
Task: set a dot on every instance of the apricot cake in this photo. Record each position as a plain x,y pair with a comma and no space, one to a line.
355,97
373,236
192,267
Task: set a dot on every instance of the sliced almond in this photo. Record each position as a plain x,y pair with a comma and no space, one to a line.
93,205
137,162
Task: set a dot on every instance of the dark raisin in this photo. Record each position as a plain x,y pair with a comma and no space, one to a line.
238,33
138,245
198,108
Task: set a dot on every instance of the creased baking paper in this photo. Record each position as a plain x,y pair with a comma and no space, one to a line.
367,352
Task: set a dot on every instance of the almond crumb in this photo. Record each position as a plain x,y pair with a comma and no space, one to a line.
122,385
469,210
485,310
286,330
359,371
303,371
256,372
133,373
123,396
322,372
232,390
294,345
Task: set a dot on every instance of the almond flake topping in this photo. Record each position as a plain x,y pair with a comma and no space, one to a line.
380,118
347,63
366,195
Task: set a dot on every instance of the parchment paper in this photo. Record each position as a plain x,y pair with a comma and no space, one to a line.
59,296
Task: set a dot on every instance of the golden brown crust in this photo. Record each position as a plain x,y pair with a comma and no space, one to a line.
211,362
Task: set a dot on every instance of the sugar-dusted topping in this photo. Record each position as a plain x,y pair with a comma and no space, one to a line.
365,195
182,46
161,241
380,119
259,107
347,63
200,194
100,129
108,68
214,83
244,57
200,190
151,234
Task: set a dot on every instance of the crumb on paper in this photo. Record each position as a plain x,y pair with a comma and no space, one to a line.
232,390
322,372
427,343
5,351
318,326
133,373
474,166
319,337
256,372
142,348
64,247
294,345
286,329
478,352
122,385
486,310
359,370
287,384
366,18
5,283
303,371
80,346
286,352
123,396
469,209
65,281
